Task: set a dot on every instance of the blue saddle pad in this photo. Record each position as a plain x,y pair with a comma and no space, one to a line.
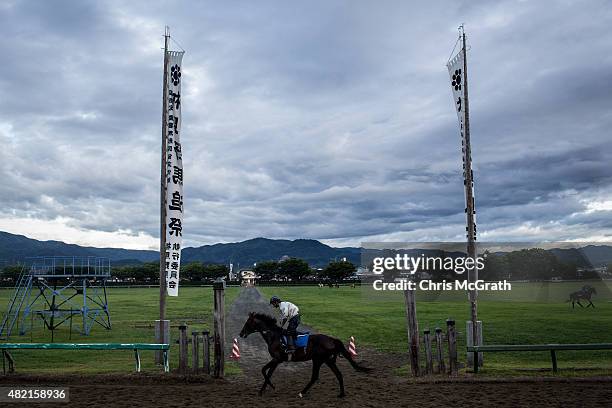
301,341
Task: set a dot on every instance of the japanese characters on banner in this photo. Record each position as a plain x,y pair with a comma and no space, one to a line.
174,174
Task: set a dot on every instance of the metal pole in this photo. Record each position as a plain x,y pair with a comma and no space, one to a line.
53,312
85,309
162,232
106,303
470,209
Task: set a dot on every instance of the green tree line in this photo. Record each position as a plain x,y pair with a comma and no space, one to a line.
530,264
295,269
292,269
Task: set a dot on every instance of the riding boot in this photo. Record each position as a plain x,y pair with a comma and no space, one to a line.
290,345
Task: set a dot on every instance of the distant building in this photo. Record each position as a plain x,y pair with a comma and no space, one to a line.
363,272
232,276
247,277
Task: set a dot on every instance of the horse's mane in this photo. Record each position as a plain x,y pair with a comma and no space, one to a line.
269,320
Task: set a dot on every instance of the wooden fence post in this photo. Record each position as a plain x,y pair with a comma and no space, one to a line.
428,355
183,349
219,335
206,351
195,352
413,331
440,351
451,336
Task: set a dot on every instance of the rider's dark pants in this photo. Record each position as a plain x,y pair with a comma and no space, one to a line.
292,326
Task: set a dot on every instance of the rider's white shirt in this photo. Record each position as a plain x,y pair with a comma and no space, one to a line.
288,310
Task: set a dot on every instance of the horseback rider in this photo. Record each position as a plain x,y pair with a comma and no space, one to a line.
288,311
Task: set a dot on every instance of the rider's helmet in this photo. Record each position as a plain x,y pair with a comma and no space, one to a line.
274,299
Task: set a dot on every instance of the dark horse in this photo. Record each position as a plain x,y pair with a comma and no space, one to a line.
585,293
321,349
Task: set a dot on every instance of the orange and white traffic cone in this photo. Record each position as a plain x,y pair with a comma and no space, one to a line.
351,348
235,350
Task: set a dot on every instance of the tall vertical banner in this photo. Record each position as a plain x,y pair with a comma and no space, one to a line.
455,70
457,82
174,173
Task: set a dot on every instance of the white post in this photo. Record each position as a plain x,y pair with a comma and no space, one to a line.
470,343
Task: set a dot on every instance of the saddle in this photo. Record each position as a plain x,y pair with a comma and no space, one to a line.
300,341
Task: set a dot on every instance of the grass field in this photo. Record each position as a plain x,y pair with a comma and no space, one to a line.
133,311
530,313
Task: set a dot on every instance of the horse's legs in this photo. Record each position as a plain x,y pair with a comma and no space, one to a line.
271,365
264,370
270,372
331,363
591,303
579,304
316,366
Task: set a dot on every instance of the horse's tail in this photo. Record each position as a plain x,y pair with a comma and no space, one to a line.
342,350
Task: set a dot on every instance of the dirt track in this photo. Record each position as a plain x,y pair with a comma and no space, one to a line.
382,388
149,391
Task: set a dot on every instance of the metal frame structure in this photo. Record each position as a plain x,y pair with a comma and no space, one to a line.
58,288
4,347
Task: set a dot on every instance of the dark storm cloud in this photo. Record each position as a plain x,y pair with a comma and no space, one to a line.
331,120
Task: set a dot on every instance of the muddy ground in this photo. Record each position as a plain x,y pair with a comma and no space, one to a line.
378,389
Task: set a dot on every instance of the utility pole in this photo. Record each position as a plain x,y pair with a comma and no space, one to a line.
470,208
162,329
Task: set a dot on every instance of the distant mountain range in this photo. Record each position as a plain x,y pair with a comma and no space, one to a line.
587,256
15,248
254,250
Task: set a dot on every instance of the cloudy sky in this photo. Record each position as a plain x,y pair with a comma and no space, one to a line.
329,120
